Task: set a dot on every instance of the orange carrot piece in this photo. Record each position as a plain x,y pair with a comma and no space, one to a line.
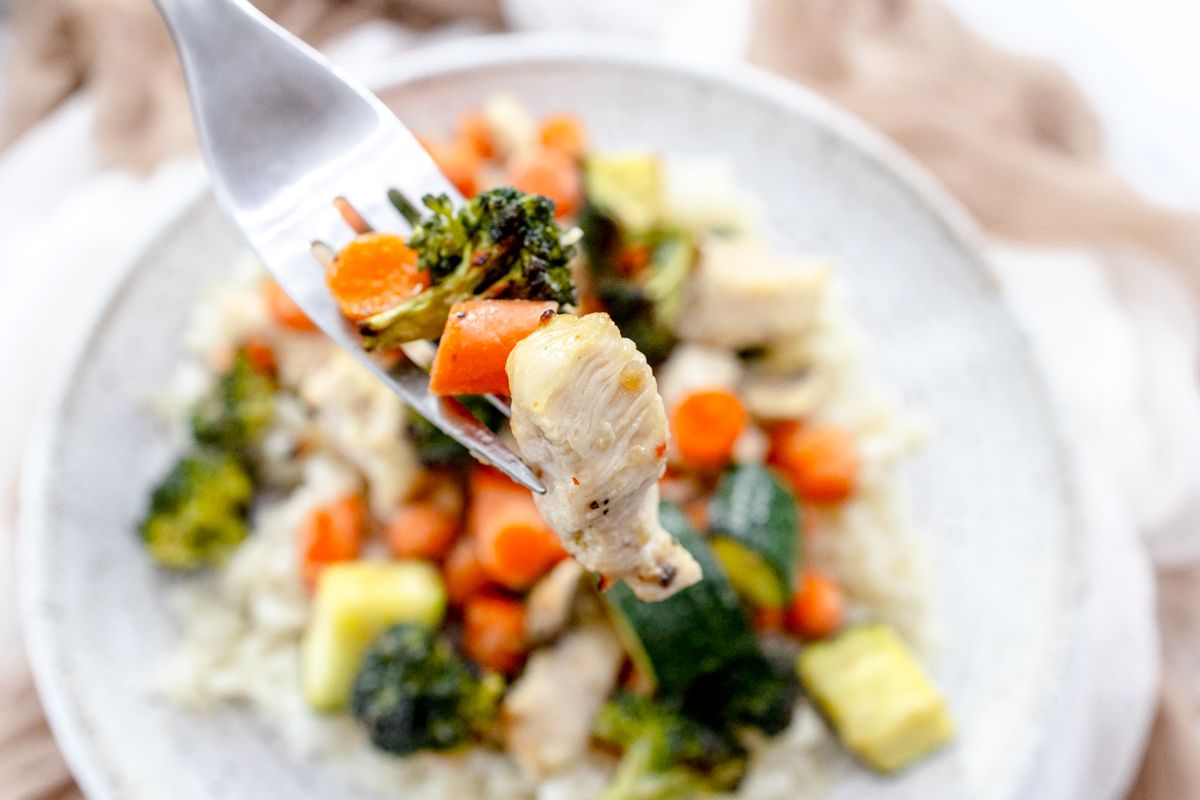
769,619
373,273
821,461
283,309
476,131
331,533
260,356
484,480
494,632
458,161
634,258
464,574
476,341
706,424
421,530
550,173
514,544
819,608
564,132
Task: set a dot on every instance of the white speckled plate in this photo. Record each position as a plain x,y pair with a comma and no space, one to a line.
991,490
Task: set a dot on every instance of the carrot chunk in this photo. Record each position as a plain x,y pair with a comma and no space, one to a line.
458,161
421,530
494,632
514,544
633,259
476,131
706,424
331,533
476,341
260,356
283,309
769,619
821,461
564,132
373,273
464,574
550,173
818,609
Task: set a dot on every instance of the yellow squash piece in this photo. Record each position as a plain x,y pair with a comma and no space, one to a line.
877,696
355,602
628,186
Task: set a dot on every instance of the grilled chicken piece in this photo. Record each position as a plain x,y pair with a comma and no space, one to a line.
548,713
587,415
548,607
741,295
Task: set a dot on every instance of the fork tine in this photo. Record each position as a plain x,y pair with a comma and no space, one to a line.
351,215
284,132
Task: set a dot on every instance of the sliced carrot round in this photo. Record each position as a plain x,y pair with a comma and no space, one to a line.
494,632
550,173
564,132
421,530
330,533
706,425
514,544
821,461
373,273
464,574
458,161
819,608
283,309
476,131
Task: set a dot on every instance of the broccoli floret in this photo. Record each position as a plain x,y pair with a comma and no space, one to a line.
758,692
238,409
413,694
503,244
435,447
665,753
198,514
643,304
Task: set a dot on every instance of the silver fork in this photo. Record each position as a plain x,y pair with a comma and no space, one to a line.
285,133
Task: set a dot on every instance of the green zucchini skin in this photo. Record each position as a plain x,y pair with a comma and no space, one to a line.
695,632
754,509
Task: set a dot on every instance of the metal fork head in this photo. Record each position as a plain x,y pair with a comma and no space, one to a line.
284,133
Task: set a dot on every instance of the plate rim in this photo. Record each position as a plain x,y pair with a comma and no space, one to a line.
513,49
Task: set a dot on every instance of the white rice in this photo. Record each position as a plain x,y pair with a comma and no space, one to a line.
242,626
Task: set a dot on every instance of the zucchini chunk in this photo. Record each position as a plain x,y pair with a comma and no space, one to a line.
628,187
692,633
356,601
877,696
756,535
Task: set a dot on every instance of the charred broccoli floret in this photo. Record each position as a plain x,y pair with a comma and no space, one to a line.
198,513
665,754
238,409
759,692
503,244
413,694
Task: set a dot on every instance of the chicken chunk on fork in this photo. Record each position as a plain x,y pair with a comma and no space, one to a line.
587,416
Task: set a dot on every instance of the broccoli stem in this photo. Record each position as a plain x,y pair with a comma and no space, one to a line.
637,778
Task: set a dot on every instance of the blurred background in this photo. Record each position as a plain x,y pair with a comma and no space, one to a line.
1069,128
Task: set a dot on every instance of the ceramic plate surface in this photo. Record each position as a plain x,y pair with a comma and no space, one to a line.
992,489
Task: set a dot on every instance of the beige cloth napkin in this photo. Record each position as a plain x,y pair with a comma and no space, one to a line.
1010,136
